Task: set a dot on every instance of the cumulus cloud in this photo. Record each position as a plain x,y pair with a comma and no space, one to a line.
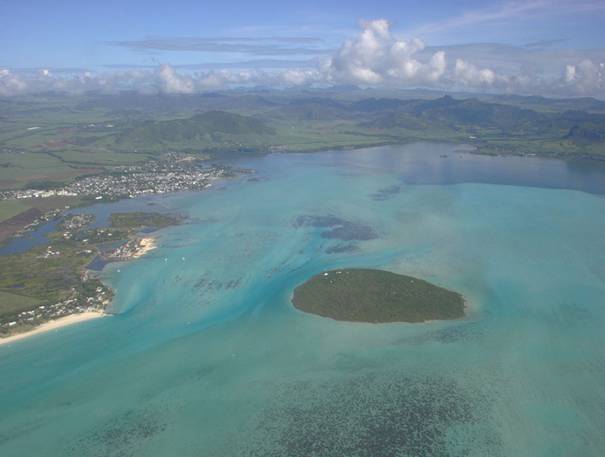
468,74
10,84
586,77
297,77
172,82
375,57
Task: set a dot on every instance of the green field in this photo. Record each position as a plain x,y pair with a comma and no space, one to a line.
10,208
15,303
138,220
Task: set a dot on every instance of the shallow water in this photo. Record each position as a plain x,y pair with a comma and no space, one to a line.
206,357
29,240
102,212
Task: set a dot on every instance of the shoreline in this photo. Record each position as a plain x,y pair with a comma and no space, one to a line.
144,246
54,324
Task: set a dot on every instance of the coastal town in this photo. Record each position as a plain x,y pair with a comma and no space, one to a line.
94,299
91,295
61,276
171,174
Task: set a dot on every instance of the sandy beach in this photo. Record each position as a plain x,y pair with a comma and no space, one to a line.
54,324
145,245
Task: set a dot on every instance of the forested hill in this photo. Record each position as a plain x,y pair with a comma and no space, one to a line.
204,127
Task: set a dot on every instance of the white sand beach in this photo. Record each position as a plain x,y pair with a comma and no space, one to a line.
145,245
54,324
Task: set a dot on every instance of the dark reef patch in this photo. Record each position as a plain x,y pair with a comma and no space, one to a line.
342,248
337,228
468,331
213,284
375,416
122,436
386,192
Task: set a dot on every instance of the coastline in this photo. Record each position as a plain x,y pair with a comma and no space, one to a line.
145,245
54,324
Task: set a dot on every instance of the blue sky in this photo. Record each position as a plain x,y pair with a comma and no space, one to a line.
106,35
75,33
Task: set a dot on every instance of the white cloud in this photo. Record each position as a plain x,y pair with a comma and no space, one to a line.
438,65
376,56
469,74
570,73
172,82
297,77
11,84
585,78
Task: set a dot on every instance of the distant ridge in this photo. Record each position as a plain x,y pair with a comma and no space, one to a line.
203,127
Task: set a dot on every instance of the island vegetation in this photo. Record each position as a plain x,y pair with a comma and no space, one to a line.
376,296
139,220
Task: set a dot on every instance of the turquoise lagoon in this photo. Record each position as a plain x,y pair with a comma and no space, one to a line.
205,356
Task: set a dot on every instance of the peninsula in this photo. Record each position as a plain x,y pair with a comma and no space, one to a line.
54,285
376,296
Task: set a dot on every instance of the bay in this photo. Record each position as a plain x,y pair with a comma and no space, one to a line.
205,355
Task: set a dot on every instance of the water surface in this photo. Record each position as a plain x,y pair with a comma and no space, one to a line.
206,355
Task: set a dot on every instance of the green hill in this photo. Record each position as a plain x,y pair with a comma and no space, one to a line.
493,118
449,112
586,134
207,129
81,134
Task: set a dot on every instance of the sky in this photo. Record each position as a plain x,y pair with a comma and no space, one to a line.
530,47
